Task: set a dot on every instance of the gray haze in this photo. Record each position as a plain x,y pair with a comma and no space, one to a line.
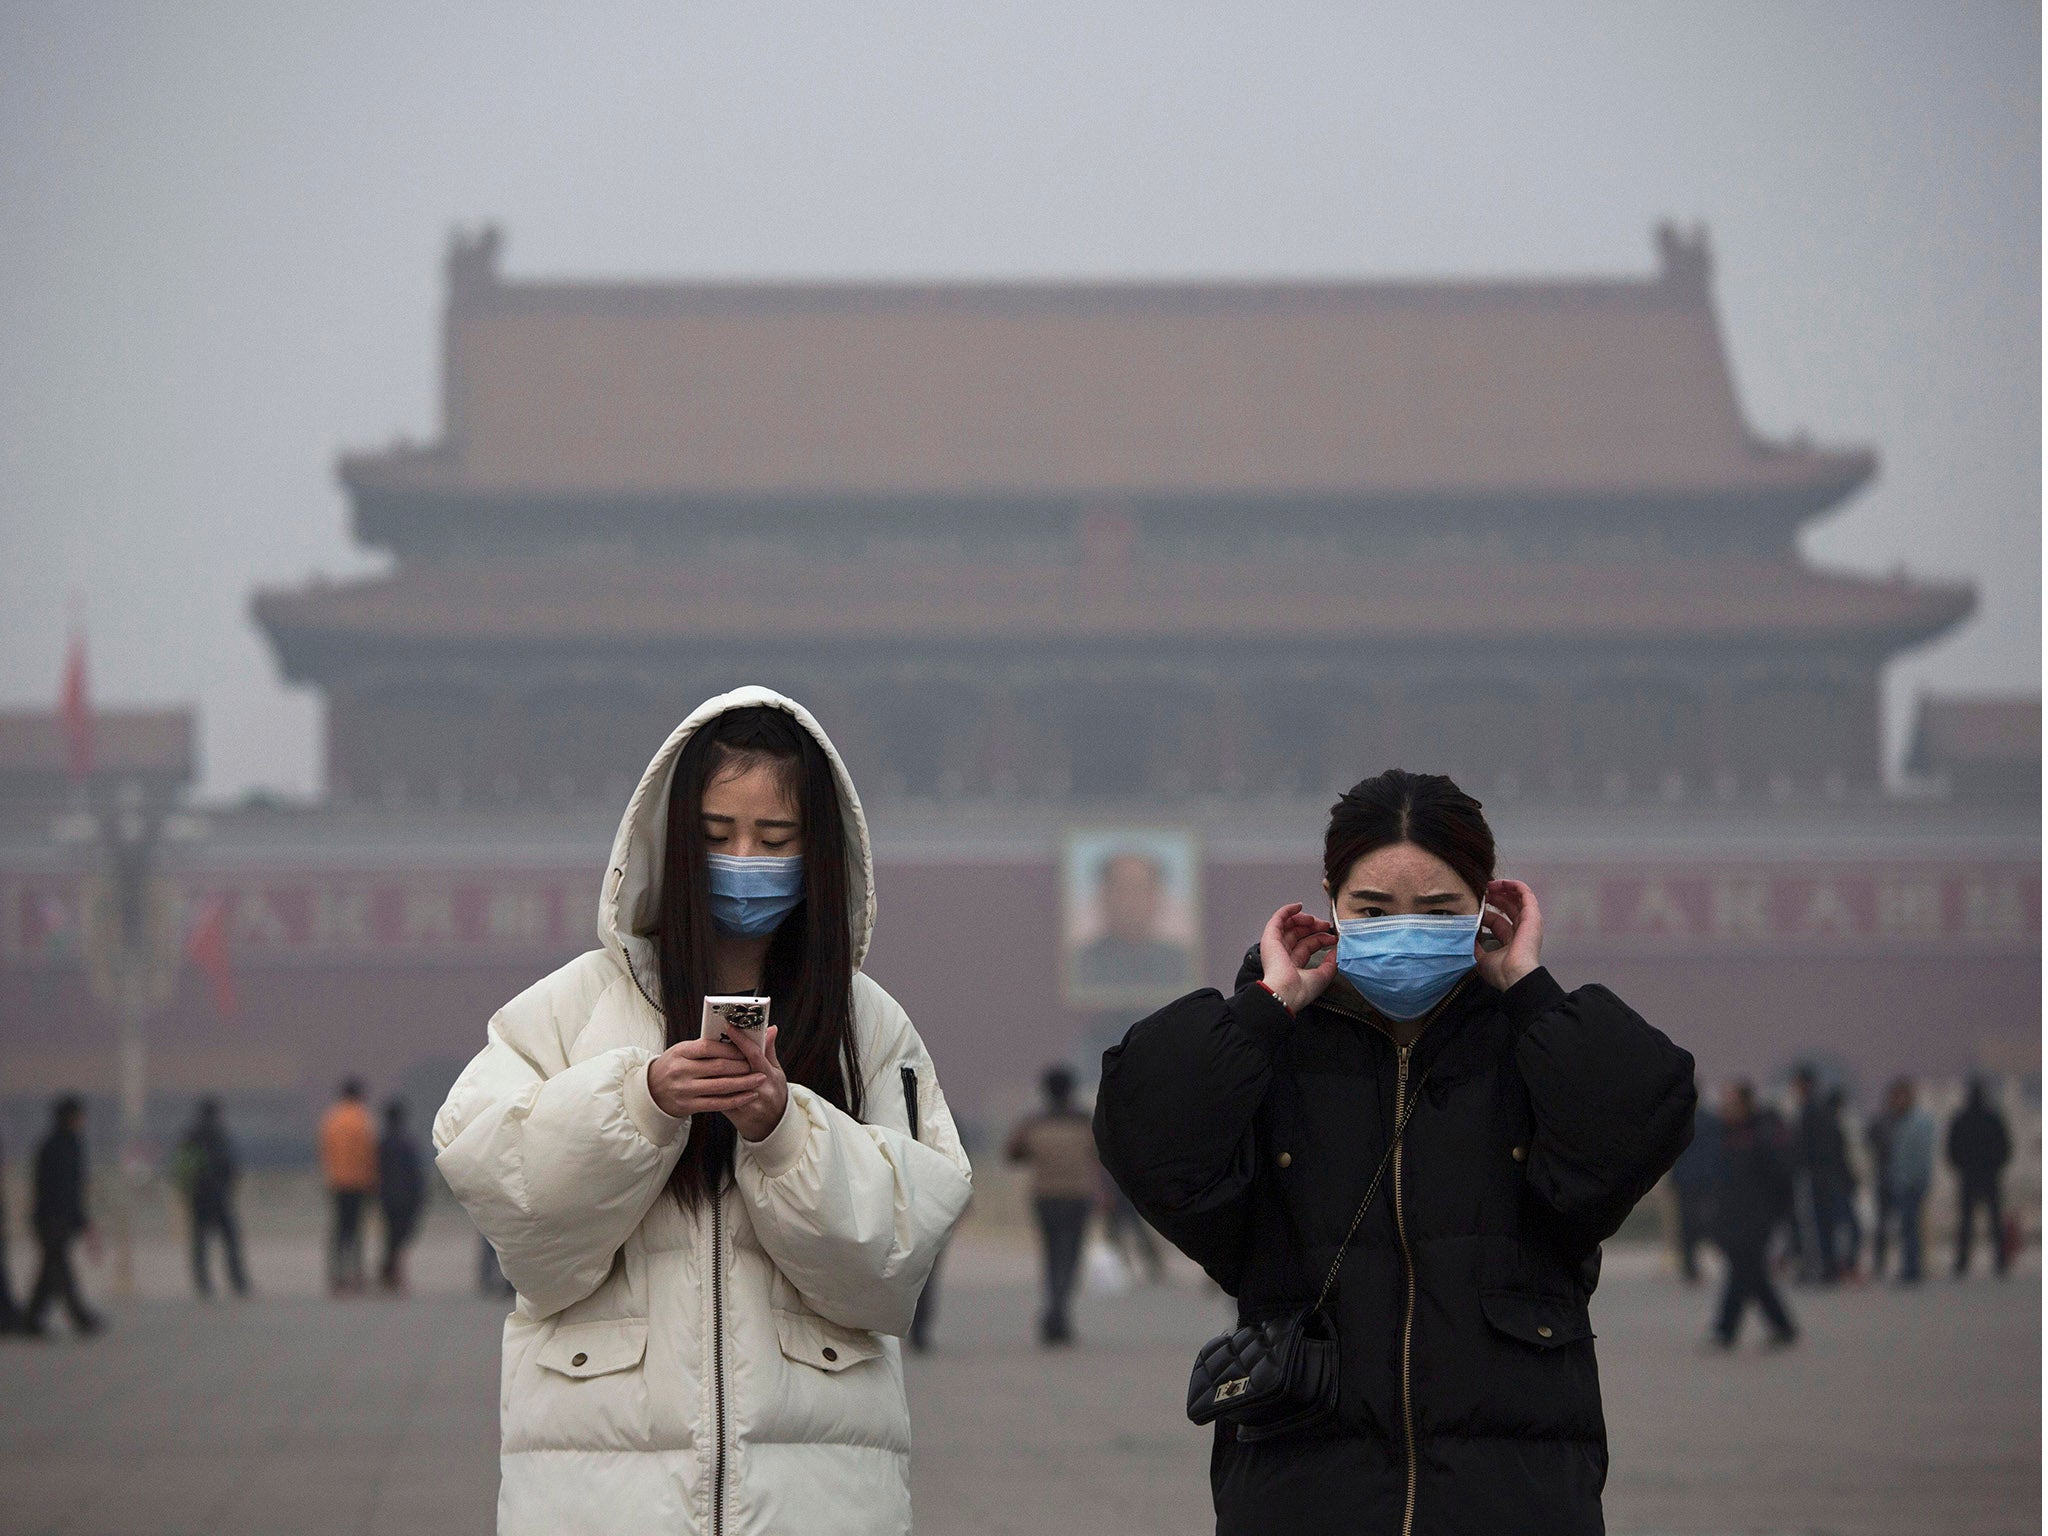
221,231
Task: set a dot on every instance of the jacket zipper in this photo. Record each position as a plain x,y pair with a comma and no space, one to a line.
1408,1312
718,1362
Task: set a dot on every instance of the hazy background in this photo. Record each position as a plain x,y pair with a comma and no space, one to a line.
221,232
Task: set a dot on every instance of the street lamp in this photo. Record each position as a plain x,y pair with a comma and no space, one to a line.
134,947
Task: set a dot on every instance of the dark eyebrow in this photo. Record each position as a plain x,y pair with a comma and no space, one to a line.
1421,901
791,825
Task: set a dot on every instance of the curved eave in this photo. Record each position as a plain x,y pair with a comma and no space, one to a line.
1802,482
314,629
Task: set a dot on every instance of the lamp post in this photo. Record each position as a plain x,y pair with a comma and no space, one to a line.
133,941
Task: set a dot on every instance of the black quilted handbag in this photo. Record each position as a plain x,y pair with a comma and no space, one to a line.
1278,1376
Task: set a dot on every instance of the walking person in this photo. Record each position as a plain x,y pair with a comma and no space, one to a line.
348,1161
1516,1125
1694,1179
11,1319
1058,1147
1820,1178
1844,1225
60,1218
1979,1147
401,1192
1128,1236
1877,1139
1754,1199
717,1242
205,1170
1909,1169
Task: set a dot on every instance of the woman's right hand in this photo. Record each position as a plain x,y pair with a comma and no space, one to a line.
1289,943
696,1077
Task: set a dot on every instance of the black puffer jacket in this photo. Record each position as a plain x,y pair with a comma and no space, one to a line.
1469,1399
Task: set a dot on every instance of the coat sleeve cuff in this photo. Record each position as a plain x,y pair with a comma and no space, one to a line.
654,1122
1532,997
776,1153
1261,1015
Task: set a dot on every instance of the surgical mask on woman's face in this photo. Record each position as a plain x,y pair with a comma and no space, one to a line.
751,896
1403,966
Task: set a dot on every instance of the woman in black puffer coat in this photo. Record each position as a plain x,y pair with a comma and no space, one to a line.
1246,1129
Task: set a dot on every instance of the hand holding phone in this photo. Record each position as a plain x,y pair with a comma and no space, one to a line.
713,1074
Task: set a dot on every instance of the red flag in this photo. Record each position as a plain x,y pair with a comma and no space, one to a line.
74,713
208,947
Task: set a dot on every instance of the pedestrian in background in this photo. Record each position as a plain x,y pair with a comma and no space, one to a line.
1058,1145
1844,1226
348,1162
10,1315
60,1218
401,1192
205,1170
1755,1197
1910,1172
1979,1147
1877,1139
1128,1236
1821,1172
1694,1179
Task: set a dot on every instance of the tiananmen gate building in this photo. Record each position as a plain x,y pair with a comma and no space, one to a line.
1063,555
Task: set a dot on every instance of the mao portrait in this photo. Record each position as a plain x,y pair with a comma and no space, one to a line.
1131,916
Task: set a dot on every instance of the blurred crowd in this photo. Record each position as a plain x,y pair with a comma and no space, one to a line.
363,1166
1784,1191
1801,1190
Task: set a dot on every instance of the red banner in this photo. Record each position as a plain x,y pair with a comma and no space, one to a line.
266,918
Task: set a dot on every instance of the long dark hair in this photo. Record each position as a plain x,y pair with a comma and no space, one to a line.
809,967
1425,809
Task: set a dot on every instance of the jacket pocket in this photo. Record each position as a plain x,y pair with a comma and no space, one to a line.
594,1349
815,1341
1547,1322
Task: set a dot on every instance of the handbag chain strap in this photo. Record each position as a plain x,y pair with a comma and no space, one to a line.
1386,1157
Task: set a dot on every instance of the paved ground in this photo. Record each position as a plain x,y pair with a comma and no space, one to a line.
289,1414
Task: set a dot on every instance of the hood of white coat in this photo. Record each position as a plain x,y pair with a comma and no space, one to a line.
629,908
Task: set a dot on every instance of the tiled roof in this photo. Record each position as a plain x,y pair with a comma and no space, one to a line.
1373,390
1968,732
621,601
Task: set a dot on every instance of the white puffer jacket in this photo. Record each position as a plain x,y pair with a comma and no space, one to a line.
731,1369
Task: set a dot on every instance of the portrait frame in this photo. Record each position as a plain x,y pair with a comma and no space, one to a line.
1097,972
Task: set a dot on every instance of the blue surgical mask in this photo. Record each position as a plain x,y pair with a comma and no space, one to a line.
751,896
1404,966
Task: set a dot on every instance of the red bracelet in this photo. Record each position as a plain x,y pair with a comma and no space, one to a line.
1261,983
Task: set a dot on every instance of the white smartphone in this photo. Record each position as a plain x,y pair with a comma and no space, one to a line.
722,1014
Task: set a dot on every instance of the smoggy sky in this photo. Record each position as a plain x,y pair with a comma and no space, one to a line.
221,230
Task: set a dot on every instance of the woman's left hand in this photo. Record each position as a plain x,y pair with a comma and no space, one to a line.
762,1110
1517,922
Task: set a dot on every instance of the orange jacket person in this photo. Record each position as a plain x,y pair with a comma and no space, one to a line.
348,1160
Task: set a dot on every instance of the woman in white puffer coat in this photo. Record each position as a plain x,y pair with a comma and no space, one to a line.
715,1249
